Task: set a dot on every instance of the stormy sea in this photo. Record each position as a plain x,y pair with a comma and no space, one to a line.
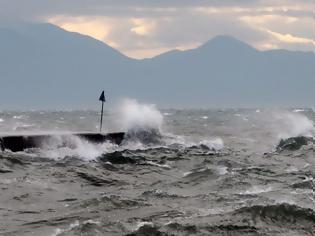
177,172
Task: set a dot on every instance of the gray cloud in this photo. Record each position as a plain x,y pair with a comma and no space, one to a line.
36,9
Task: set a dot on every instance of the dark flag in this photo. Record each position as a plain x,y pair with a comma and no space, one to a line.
102,97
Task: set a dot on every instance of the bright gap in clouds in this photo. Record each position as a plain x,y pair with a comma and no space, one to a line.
112,30
90,26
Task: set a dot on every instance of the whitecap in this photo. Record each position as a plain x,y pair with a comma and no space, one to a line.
19,117
142,223
222,170
59,147
291,169
257,190
185,174
91,222
158,165
285,199
298,110
59,231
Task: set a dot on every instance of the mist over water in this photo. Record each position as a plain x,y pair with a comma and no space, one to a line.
179,172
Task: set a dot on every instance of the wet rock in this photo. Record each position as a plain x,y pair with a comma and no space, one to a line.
304,185
294,143
68,200
147,229
1,145
4,171
184,229
284,213
117,158
145,136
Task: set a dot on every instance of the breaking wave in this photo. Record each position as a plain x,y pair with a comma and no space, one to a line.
144,127
286,124
59,147
294,124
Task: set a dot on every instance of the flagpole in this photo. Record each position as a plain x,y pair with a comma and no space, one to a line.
102,117
102,99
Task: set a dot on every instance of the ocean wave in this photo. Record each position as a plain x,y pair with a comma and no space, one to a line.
87,227
294,143
176,228
280,213
307,183
58,147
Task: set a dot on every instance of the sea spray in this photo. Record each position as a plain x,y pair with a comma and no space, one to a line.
144,125
133,115
142,122
274,125
291,124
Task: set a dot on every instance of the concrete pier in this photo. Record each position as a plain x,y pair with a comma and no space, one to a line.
16,143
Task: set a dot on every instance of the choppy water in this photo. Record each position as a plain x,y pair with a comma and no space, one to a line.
214,172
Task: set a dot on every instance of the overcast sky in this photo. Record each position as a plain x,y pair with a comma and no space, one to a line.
144,28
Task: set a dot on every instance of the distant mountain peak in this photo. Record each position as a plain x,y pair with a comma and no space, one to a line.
225,42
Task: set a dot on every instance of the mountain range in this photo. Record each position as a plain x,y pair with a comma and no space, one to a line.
45,67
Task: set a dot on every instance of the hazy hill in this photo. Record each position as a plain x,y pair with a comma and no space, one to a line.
43,66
